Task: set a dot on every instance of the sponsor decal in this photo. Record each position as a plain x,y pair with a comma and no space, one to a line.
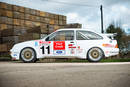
15,55
72,51
59,52
41,43
70,45
44,42
71,48
36,43
78,47
59,45
79,50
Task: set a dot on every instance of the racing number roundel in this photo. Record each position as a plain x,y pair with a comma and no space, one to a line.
59,45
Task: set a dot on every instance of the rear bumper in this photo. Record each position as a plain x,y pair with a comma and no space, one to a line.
111,52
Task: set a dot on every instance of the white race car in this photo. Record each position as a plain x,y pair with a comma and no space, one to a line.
66,43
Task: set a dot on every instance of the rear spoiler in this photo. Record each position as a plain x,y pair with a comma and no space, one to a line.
110,35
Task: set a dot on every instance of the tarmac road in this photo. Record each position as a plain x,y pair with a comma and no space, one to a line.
15,74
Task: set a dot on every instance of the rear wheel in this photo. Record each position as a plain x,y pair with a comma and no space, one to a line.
95,54
28,55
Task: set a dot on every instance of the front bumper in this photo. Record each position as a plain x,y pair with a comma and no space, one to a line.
14,55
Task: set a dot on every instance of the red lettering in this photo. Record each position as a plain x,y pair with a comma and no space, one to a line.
59,45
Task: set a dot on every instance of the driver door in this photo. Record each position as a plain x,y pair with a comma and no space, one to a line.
62,44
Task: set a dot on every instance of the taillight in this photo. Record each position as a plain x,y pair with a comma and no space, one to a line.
116,46
108,45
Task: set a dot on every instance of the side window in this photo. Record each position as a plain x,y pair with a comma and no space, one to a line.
69,35
80,36
61,36
87,35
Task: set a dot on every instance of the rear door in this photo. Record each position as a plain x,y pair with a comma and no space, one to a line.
86,40
62,44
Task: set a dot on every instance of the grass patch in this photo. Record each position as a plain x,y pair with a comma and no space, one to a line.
5,58
116,60
8,58
83,60
86,61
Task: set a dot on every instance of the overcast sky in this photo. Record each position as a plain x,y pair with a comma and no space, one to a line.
86,12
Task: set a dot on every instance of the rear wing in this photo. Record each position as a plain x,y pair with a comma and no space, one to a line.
110,35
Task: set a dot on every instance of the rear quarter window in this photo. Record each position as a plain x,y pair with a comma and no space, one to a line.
87,35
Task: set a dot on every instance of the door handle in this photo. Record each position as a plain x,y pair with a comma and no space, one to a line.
71,42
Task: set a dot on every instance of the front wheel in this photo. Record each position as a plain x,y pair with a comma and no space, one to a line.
95,54
28,55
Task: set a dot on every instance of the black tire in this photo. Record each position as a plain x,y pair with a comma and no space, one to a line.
95,54
28,55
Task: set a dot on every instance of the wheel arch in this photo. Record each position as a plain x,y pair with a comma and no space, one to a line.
30,48
92,48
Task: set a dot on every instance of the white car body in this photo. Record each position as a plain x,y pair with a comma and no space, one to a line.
66,48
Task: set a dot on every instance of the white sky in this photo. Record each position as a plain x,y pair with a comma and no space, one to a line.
88,15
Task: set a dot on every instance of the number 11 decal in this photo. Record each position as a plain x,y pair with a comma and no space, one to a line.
45,49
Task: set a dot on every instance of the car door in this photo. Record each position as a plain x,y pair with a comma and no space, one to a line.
86,40
62,44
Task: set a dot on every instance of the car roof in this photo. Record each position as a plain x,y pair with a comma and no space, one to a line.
76,29
70,29
73,29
